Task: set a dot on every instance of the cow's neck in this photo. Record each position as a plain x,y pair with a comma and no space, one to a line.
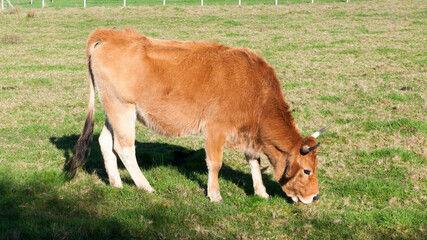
281,139
281,156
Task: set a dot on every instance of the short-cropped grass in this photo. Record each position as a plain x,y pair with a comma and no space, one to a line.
360,66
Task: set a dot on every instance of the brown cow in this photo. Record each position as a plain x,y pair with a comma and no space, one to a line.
230,95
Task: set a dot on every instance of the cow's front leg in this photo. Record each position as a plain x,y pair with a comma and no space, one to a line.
254,164
214,144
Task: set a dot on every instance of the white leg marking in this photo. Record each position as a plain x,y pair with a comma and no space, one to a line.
110,160
122,121
259,187
213,185
127,155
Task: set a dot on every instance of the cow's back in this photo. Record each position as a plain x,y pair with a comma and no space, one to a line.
178,87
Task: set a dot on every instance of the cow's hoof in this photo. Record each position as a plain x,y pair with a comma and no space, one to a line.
117,184
150,190
215,198
263,195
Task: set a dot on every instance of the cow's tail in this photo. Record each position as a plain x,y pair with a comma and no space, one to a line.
84,143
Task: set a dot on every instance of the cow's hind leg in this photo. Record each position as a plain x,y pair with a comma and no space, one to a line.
122,121
214,144
254,164
110,160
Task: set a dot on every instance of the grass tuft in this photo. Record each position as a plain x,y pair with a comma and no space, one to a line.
11,39
14,10
31,14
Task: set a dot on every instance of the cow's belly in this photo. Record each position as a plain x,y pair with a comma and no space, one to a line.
169,121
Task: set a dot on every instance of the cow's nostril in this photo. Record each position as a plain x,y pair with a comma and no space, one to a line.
316,197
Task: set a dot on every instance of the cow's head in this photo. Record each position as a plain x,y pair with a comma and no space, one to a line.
299,179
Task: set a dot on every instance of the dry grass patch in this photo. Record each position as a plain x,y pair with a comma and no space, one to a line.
31,14
11,39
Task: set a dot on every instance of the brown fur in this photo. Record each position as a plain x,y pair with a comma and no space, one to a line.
230,95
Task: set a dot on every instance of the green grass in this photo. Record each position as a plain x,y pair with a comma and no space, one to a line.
133,3
340,63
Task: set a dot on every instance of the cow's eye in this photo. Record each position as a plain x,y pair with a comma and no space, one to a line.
307,171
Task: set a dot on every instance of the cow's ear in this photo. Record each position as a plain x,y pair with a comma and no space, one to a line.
308,144
306,149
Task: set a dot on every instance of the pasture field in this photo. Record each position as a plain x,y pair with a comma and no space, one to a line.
360,66
99,3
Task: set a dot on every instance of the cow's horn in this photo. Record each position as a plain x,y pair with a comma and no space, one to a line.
307,149
316,134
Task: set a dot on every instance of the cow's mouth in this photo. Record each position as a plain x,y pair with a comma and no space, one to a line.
310,199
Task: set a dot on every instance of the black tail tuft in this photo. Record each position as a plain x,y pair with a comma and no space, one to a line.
82,148
84,143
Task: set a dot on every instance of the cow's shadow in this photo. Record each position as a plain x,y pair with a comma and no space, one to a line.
190,163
